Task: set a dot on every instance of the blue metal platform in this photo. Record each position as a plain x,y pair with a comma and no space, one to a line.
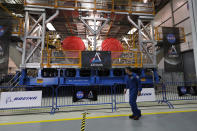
85,77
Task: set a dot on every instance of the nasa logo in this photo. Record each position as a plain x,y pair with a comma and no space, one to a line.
80,94
1,31
96,58
183,90
171,38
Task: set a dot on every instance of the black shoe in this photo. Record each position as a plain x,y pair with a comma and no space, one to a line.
131,116
136,117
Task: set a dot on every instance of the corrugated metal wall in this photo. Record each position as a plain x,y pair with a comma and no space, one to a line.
181,19
179,11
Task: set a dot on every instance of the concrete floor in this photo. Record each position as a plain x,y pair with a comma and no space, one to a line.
156,118
185,121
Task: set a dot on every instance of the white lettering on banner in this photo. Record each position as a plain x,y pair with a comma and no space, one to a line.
147,94
21,99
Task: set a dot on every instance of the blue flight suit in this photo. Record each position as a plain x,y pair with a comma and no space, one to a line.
134,85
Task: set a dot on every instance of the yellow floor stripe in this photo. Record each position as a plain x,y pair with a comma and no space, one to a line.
107,116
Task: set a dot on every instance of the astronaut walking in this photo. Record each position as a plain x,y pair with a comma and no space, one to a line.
134,86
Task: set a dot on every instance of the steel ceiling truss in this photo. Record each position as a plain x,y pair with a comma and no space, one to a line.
94,31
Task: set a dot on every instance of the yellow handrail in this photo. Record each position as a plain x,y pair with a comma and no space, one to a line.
132,58
158,34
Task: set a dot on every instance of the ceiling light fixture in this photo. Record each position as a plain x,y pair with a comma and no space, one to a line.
145,1
133,30
50,27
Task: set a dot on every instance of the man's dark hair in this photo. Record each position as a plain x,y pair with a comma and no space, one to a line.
129,69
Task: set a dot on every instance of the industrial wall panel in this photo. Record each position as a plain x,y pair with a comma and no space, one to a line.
186,25
190,41
168,23
161,64
188,44
189,69
157,20
163,15
181,14
181,17
178,3
184,47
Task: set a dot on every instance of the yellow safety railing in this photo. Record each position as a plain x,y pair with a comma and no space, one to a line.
18,27
52,41
159,34
53,57
130,6
134,41
127,58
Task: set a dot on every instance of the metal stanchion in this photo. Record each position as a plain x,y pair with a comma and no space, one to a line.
83,122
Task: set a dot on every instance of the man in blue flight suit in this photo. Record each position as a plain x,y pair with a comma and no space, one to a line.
134,86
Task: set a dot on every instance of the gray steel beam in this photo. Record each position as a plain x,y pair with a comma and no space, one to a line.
144,28
154,44
25,38
44,32
33,37
34,9
106,21
28,57
52,17
33,27
172,12
89,28
92,18
133,23
94,31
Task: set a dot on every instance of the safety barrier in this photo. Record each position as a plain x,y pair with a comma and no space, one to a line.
11,97
68,98
65,96
181,91
158,92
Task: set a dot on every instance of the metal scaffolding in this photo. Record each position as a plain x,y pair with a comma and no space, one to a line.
34,53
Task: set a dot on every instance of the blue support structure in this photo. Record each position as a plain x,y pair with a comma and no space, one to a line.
63,78
23,77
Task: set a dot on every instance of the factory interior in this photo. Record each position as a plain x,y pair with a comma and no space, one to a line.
65,65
